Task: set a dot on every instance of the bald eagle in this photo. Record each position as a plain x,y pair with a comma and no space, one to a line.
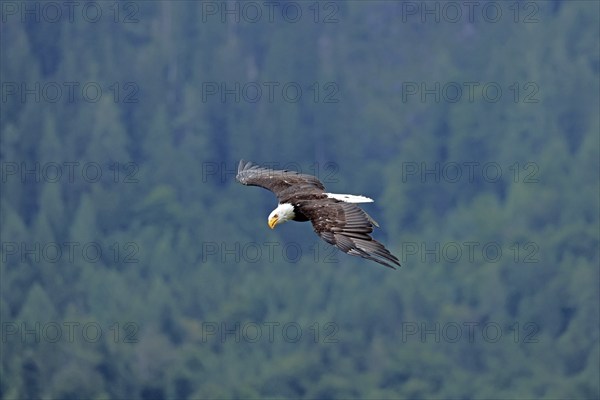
334,217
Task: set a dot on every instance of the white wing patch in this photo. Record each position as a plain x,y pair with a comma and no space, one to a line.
350,198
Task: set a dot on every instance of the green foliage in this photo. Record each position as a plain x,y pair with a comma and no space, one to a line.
194,297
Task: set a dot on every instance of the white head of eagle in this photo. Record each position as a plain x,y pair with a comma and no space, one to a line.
283,213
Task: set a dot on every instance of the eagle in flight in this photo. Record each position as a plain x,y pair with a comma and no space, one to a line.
334,217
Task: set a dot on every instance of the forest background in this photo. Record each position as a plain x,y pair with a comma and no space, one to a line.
134,266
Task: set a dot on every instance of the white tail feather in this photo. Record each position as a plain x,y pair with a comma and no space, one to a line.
349,198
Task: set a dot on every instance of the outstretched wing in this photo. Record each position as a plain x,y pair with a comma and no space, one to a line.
347,227
283,183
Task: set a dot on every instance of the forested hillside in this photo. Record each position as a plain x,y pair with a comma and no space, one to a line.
134,266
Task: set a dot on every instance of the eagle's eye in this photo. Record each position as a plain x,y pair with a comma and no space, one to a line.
276,216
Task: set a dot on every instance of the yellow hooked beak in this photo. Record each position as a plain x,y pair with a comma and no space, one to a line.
273,221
